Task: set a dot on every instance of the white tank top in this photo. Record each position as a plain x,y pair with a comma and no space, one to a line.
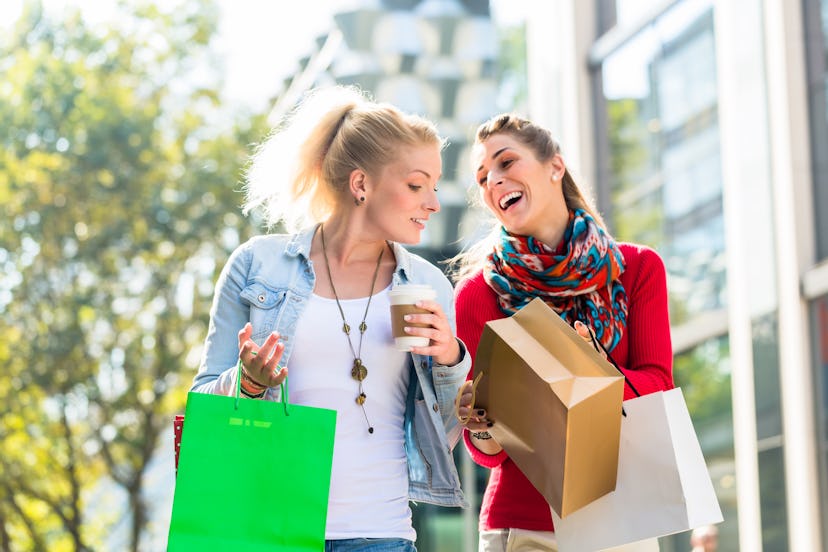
369,478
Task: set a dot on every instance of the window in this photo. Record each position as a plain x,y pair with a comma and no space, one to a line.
664,169
819,339
703,374
816,31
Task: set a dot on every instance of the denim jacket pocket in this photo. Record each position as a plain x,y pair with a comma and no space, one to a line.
433,454
264,302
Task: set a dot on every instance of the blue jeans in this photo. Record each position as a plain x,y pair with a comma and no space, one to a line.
370,545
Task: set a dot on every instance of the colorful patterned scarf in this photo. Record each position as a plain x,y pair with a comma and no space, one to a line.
579,283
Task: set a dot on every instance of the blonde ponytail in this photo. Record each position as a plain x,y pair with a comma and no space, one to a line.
300,173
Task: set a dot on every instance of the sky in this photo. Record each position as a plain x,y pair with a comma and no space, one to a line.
255,32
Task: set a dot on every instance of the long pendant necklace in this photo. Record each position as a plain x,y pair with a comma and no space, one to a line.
359,372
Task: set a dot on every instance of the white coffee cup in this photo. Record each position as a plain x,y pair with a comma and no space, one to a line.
402,299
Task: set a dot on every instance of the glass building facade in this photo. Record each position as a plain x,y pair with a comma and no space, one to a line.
815,286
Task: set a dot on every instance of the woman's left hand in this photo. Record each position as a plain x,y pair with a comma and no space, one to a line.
584,331
443,346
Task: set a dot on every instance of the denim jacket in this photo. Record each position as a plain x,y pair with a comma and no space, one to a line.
268,281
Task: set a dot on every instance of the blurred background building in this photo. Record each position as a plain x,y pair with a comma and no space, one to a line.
701,128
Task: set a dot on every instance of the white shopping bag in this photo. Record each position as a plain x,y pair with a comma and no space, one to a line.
663,485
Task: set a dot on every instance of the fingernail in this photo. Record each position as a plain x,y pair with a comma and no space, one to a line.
490,424
407,318
481,412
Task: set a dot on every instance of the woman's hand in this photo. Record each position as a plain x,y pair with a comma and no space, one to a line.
475,419
584,331
443,346
471,418
261,364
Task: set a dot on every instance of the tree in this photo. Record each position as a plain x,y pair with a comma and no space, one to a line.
120,200
511,68
637,216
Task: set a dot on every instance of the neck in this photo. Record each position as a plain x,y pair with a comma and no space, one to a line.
551,232
346,244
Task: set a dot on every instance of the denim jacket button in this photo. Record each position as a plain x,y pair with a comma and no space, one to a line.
261,298
424,365
435,407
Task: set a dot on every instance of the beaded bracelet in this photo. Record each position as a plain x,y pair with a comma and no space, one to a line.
482,435
248,394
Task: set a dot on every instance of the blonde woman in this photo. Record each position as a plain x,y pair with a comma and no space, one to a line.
353,180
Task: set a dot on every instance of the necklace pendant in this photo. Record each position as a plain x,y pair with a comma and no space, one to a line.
346,328
359,372
362,327
360,400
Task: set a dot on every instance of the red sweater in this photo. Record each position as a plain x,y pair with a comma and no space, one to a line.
644,354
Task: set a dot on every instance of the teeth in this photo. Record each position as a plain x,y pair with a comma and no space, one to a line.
505,199
421,221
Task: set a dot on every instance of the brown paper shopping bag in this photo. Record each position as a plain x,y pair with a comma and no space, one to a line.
556,404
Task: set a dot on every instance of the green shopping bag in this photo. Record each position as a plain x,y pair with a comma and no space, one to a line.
252,475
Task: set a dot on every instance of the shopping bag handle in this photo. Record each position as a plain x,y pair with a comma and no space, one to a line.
283,385
600,347
464,419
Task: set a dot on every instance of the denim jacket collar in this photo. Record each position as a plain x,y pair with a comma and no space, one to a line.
300,243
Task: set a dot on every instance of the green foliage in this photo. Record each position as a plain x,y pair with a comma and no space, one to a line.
511,67
119,197
704,376
637,209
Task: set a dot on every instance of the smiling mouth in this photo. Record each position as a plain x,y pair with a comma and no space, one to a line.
420,221
509,199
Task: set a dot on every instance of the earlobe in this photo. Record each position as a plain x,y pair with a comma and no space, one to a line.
558,167
357,186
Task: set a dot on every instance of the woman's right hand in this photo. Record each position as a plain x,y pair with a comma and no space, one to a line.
586,334
261,364
471,418
476,420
